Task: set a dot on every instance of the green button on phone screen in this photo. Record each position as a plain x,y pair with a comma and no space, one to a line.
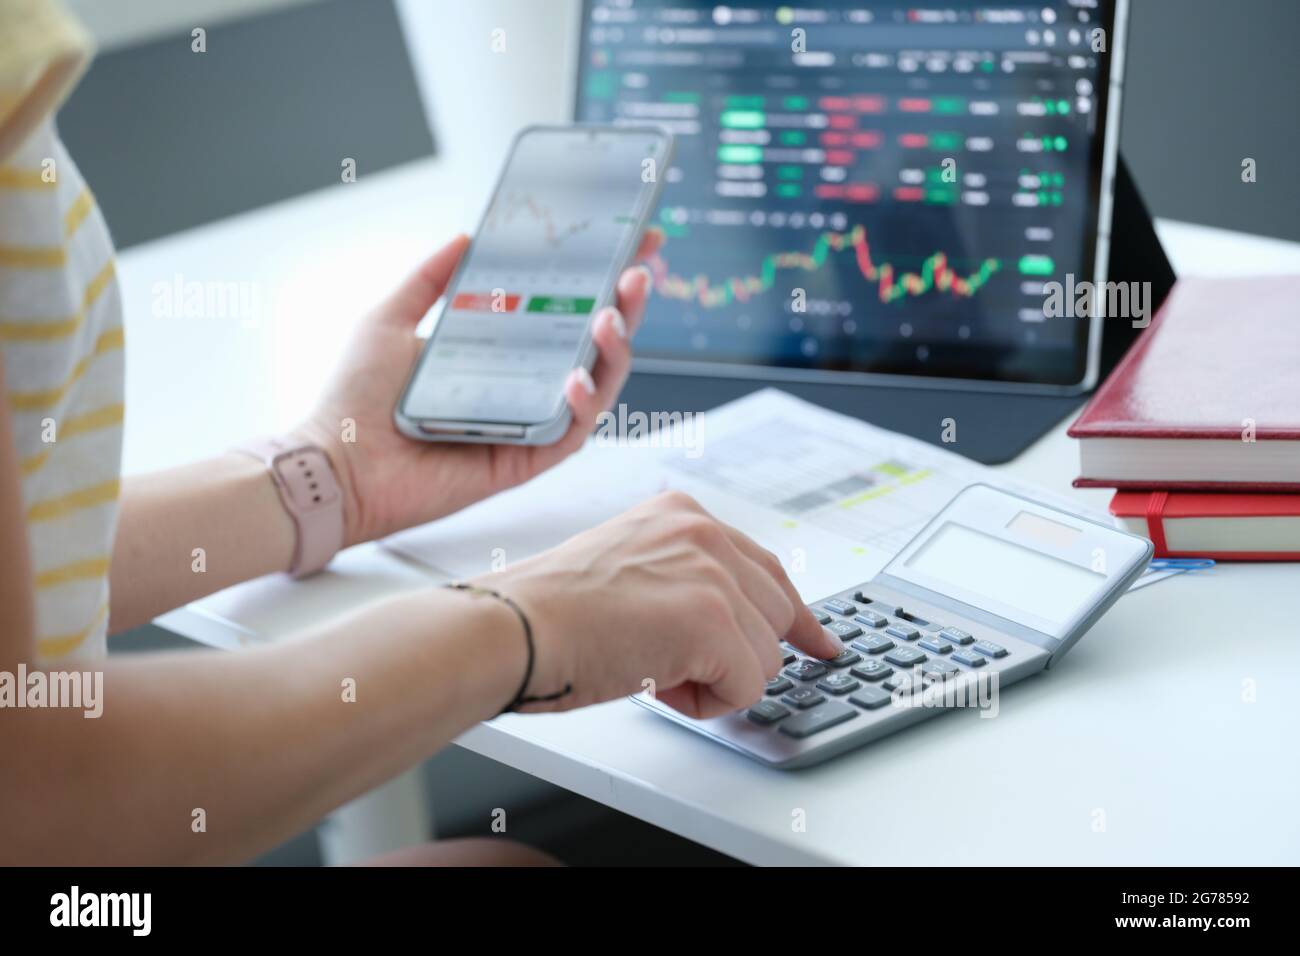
561,303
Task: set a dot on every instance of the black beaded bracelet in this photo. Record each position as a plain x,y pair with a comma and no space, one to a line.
519,698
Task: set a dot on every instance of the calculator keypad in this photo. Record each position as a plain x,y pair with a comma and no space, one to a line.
878,663
844,630
873,644
806,669
821,718
840,607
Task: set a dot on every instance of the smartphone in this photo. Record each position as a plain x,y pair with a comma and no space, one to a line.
564,221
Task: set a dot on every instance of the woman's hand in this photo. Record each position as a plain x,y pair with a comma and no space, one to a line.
662,593
391,482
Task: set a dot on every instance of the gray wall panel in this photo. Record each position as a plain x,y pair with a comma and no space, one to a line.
169,138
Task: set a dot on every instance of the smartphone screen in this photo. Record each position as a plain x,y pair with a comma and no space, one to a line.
565,217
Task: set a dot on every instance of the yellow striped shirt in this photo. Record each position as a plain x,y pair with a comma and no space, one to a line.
61,340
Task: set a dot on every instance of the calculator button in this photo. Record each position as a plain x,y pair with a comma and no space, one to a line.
806,670
838,684
873,669
938,668
956,635
822,616
935,644
841,607
871,619
969,659
989,649
904,656
779,685
767,712
844,630
873,644
788,656
862,597
802,697
869,698
903,632
901,681
821,718
844,659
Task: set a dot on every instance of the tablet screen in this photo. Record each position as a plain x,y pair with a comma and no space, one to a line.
865,186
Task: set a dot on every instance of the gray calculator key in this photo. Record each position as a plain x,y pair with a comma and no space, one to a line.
903,632
935,645
806,670
840,683
844,658
902,680
810,722
956,635
802,697
989,649
871,619
841,607
779,685
788,656
874,669
822,616
767,712
873,644
904,656
939,668
869,698
969,659
844,630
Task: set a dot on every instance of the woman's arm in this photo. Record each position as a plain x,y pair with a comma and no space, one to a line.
262,742
258,745
17,586
193,530
229,507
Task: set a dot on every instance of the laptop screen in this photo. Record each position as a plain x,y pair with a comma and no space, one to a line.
868,187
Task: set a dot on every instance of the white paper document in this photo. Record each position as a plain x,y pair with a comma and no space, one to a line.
833,497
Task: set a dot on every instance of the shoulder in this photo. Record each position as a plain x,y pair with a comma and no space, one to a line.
43,52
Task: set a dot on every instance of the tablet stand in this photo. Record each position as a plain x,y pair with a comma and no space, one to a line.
991,427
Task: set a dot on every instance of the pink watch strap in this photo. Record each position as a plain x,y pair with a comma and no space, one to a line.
310,491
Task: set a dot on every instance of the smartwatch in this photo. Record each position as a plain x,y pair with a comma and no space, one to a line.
311,494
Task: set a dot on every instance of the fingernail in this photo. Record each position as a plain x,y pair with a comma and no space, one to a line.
584,379
616,320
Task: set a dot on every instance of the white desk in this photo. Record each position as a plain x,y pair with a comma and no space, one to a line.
1141,749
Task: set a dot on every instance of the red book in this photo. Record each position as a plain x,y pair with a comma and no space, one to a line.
1208,397
1225,527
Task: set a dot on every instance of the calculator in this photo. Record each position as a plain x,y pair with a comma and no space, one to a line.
995,588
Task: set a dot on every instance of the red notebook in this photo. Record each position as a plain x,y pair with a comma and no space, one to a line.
1207,398
1225,527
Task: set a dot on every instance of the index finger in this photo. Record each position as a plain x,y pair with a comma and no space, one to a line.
651,240
805,633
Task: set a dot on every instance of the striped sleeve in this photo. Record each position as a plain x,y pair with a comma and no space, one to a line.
61,334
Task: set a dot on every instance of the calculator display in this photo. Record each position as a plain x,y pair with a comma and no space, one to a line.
1038,584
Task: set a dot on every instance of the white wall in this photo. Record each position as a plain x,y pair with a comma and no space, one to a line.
477,98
